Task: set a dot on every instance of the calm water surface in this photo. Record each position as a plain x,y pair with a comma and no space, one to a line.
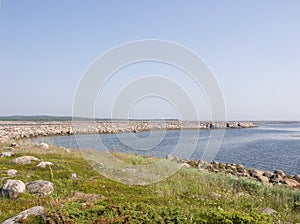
267,147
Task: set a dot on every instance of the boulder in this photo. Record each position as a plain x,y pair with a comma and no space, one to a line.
215,164
34,211
80,196
40,187
12,188
44,164
176,159
186,165
43,145
24,160
275,178
290,182
169,157
279,172
6,154
11,172
202,165
268,174
268,211
255,173
263,179
240,168
297,178
215,195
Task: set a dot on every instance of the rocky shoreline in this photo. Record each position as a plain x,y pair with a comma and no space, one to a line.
268,178
15,130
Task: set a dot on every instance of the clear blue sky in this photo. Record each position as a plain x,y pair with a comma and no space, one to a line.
253,48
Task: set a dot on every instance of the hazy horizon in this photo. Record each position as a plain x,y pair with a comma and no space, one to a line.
252,48
137,118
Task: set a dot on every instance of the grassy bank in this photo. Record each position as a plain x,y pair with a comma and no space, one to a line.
189,196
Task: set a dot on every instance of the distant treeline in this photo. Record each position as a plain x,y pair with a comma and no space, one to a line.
64,118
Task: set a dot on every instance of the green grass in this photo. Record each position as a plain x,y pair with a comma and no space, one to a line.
182,198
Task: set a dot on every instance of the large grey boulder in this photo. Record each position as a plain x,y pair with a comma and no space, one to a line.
34,211
12,188
24,160
40,187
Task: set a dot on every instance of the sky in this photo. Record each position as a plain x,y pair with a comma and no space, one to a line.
252,48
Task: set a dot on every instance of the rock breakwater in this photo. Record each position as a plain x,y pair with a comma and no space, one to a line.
10,130
277,177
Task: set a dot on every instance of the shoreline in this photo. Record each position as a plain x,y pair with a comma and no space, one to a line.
268,178
15,130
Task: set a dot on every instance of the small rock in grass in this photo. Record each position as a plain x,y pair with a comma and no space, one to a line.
66,150
6,154
24,160
186,165
12,188
43,145
11,172
14,144
34,211
215,195
268,211
80,196
40,187
44,164
74,176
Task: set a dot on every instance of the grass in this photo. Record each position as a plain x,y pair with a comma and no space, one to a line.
185,197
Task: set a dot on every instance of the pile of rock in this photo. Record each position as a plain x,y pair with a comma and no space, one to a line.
277,177
18,130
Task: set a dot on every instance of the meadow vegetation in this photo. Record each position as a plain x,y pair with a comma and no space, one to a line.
188,196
